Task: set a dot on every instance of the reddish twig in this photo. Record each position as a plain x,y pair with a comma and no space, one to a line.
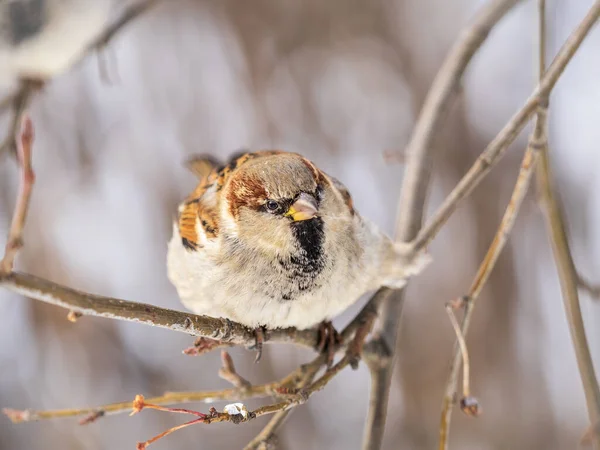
15,234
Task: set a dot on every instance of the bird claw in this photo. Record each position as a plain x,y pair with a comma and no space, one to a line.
259,338
329,339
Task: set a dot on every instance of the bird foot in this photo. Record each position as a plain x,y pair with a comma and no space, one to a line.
329,339
259,338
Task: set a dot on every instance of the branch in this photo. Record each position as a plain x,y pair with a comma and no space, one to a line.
498,147
95,305
299,393
130,13
267,435
593,290
380,351
15,234
537,142
228,373
567,273
482,276
18,102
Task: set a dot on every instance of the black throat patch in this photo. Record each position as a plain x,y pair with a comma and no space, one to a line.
303,267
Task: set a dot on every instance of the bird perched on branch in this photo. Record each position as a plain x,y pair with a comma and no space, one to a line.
269,240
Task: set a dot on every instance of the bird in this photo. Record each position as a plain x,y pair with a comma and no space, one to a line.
269,240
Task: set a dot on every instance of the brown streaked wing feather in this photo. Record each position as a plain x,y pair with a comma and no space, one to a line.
201,165
195,210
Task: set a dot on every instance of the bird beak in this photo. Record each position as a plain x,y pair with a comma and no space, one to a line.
304,208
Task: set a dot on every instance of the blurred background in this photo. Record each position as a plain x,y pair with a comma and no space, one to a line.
341,82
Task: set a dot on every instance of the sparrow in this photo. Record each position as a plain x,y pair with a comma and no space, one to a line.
270,240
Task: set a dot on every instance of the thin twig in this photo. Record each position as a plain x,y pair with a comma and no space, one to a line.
498,147
267,435
113,308
130,13
18,103
299,396
592,289
567,273
468,404
379,353
568,281
228,373
15,234
482,276
537,141
299,377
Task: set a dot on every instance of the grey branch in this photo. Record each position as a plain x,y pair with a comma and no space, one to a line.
113,308
412,203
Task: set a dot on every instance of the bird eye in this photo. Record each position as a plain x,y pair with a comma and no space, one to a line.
272,205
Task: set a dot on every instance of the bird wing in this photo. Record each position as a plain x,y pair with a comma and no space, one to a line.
199,214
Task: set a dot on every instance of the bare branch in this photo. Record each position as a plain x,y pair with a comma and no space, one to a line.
228,373
468,404
129,14
537,141
266,437
482,276
113,308
567,273
592,289
419,159
18,103
15,234
498,147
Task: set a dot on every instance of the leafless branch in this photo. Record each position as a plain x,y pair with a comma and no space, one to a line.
485,269
498,147
592,289
130,13
468,403
228,373
15,234
18,103
95,305
419,160
567,273
267,436
537,141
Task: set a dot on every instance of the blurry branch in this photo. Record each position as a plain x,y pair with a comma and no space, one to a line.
569,279
15,234
19,101
498,147
112,308
537,144
419,160
468,404
592,289
292,390
485,269
130,13
228,373
267,436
